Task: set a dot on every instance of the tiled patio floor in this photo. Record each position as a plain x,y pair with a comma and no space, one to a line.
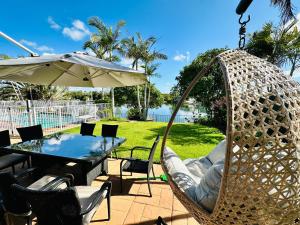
134,206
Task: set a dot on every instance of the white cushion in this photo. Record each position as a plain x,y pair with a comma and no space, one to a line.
179,173
218,153
198,167
43,181
85,195
207,190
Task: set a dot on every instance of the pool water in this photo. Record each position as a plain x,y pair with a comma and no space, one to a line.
47,120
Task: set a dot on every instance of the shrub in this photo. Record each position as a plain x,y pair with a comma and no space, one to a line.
134,114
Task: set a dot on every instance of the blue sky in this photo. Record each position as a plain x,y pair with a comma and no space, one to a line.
183,28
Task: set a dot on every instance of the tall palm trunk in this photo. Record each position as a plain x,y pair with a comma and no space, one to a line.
138,90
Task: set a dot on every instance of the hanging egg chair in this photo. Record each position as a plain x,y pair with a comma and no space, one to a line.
260,180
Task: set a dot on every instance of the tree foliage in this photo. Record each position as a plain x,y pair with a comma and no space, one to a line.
209,91
279,45
127,96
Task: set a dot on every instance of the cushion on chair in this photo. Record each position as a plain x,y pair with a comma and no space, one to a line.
179,173
136,166
11,159
207,190
43,181
85,195
218,153
198,167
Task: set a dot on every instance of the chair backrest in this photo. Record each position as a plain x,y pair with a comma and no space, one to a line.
30,133
55,207
152,151
87,128
4,138
11,202
109,130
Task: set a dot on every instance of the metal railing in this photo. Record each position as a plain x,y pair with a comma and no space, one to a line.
52,118
162,118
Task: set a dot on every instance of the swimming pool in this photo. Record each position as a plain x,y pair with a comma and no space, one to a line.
47,120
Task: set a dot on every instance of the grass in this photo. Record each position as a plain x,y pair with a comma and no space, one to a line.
187,140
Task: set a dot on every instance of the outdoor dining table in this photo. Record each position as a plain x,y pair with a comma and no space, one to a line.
85,156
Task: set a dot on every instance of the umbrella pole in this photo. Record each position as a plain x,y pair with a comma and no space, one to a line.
113,102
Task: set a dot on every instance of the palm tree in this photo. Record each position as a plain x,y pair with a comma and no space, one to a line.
150,70
286,8
104,43
136,49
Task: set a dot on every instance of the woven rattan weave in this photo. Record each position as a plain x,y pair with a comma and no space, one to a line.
261,180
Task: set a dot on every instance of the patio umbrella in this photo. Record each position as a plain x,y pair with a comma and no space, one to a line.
71,70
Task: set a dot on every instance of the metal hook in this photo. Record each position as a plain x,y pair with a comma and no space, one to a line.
244,22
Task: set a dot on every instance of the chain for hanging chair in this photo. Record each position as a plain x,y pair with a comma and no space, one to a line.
240,10
242,31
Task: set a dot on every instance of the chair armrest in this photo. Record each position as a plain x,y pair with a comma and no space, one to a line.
54,184
24,173
98,197
138,148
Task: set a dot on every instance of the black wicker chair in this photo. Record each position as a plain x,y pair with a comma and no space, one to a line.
10,159
70,206
110,131
16,208
87,129
30,133
139,166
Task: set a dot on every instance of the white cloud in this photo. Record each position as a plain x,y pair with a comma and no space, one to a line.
77,32
53,24
34,45
179,57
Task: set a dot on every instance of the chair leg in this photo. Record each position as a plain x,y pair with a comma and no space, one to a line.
148,181
153,173
13,169
121,181
108,207
28,162
29,222
23,165
115,151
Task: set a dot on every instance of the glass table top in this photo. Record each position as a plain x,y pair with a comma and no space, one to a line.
73,146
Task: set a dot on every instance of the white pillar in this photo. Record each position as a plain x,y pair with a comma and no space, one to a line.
113,102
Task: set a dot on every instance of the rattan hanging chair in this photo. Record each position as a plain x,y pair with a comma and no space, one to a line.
261,178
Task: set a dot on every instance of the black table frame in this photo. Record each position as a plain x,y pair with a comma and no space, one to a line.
88,170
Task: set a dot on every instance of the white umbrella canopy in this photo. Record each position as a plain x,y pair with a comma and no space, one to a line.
69,70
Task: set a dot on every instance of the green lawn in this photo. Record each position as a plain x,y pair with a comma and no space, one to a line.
188,140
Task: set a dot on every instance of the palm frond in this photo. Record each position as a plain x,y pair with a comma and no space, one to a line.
287,9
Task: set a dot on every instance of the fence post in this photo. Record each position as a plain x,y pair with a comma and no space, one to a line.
10,121
95,111
60,118
28,106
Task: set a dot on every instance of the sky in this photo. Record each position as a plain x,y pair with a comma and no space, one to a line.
183,28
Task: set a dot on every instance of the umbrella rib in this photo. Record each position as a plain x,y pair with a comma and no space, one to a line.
59,76
67,71
112,76
20,71
99,75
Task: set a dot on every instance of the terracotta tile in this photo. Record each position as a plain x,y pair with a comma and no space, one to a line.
117,217
120,204
147,221
135,213
166,199
144,189
152,212
178,206
154,200
179,218
192,221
